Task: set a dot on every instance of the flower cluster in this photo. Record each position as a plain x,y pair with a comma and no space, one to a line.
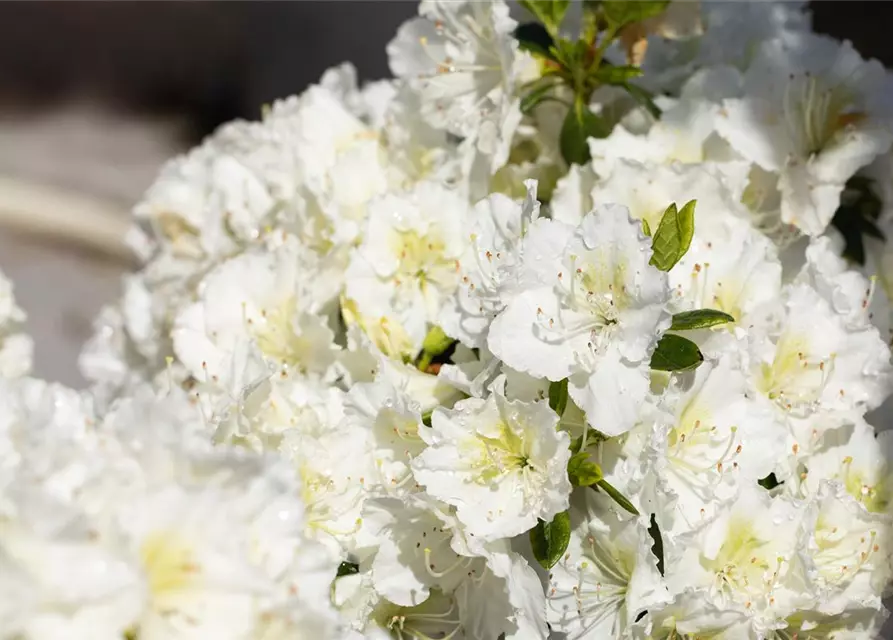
546,336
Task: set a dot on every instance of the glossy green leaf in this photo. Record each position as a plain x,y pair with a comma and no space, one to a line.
580,124
609,74
347,569
558,396
536,96
549,12
699,319
533,38
658,547
675,353
582,472
646,228
435,344
673,236
856,217
769,482
644,98
549,540
617,497
623,12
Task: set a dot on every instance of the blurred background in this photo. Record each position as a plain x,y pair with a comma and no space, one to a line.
94,96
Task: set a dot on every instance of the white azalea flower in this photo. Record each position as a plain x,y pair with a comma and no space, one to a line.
463,61
808,362
849,547
847,291
393,421
337,474
266,301
857,458
43,545
406,268
685,133
814,111
729,267
420,547
498,226
502,464
691,615
590,308
167,538
747,557
718,440
726,35
607,577
647,188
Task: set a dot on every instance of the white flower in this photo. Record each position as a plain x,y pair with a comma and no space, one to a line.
589,308
729,267
727,34
163,537
406,267
502,464
420,547
262,301
718,439
807,361
849,547
686,132
393,421
647,188
847,291
814,111
607,577
56,580
691,615
747,556
337,474
461,58
858,459
497,226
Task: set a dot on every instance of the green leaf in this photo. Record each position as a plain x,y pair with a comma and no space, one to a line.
769,482
609,74
549,12
646,228
549,540
622,12
580,124
856,217
581,472
426,418
658,548
699,319
435,343
347,569
533,38
617,497
536,96
673,236
675,353
558,396
644,98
